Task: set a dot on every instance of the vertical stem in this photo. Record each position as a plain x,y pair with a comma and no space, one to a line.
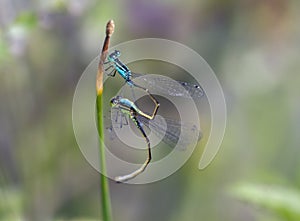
105,195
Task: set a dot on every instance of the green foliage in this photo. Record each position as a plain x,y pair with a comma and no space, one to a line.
78,219
10,204
27,20
3,50
282,201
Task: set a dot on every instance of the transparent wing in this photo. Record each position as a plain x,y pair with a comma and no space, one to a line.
174,132
165,85
115,121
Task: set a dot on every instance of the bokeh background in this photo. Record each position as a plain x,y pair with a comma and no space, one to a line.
253,47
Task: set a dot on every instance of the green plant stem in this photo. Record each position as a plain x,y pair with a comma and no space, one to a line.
105,195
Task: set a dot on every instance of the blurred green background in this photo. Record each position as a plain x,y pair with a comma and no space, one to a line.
253,47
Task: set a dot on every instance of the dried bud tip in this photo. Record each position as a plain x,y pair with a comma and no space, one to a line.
110,27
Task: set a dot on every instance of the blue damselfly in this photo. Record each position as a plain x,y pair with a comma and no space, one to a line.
157,84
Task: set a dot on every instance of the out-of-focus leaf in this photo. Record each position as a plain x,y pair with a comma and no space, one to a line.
280,200
3,50
78,219
59,5
27,19
10,204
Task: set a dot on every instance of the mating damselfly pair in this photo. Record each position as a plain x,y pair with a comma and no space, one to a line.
125,109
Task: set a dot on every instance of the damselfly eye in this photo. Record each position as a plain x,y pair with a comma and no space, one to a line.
114,101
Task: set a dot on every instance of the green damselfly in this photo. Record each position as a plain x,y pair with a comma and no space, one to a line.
128,107
169,129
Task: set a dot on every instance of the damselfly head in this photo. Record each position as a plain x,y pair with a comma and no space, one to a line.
115,54
115,101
